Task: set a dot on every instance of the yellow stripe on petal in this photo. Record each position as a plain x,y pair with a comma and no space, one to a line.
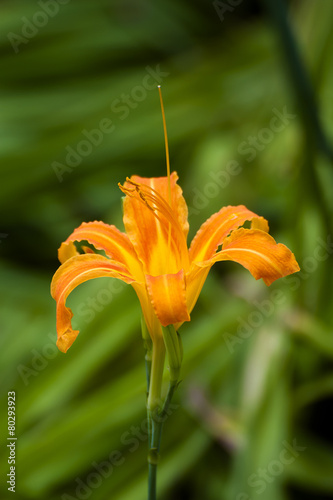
258,252
213,232
102,236
72,273
168,297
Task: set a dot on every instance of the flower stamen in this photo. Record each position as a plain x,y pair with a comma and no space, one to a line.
166,145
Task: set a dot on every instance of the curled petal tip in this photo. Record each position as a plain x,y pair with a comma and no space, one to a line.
66,339
258,252
66,251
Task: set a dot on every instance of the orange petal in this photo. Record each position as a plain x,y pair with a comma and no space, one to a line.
178,203
258,252
156,229
168,297
152,322
102,236
72,273
195,280
213,232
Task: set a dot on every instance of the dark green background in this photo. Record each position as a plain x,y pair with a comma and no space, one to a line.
257,374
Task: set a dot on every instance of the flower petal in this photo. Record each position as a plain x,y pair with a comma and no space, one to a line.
161,186
72,273
168,297
152,322
102,236
217,227
156,229
195,280
66,251
258,252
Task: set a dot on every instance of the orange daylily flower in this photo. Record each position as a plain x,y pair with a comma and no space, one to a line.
153,256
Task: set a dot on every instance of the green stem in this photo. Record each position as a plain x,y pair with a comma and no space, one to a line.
158,418
156,409
152,471
148,369
172,387
148,345
153,455
153,412
156,375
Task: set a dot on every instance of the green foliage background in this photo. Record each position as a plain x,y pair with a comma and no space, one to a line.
257,361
